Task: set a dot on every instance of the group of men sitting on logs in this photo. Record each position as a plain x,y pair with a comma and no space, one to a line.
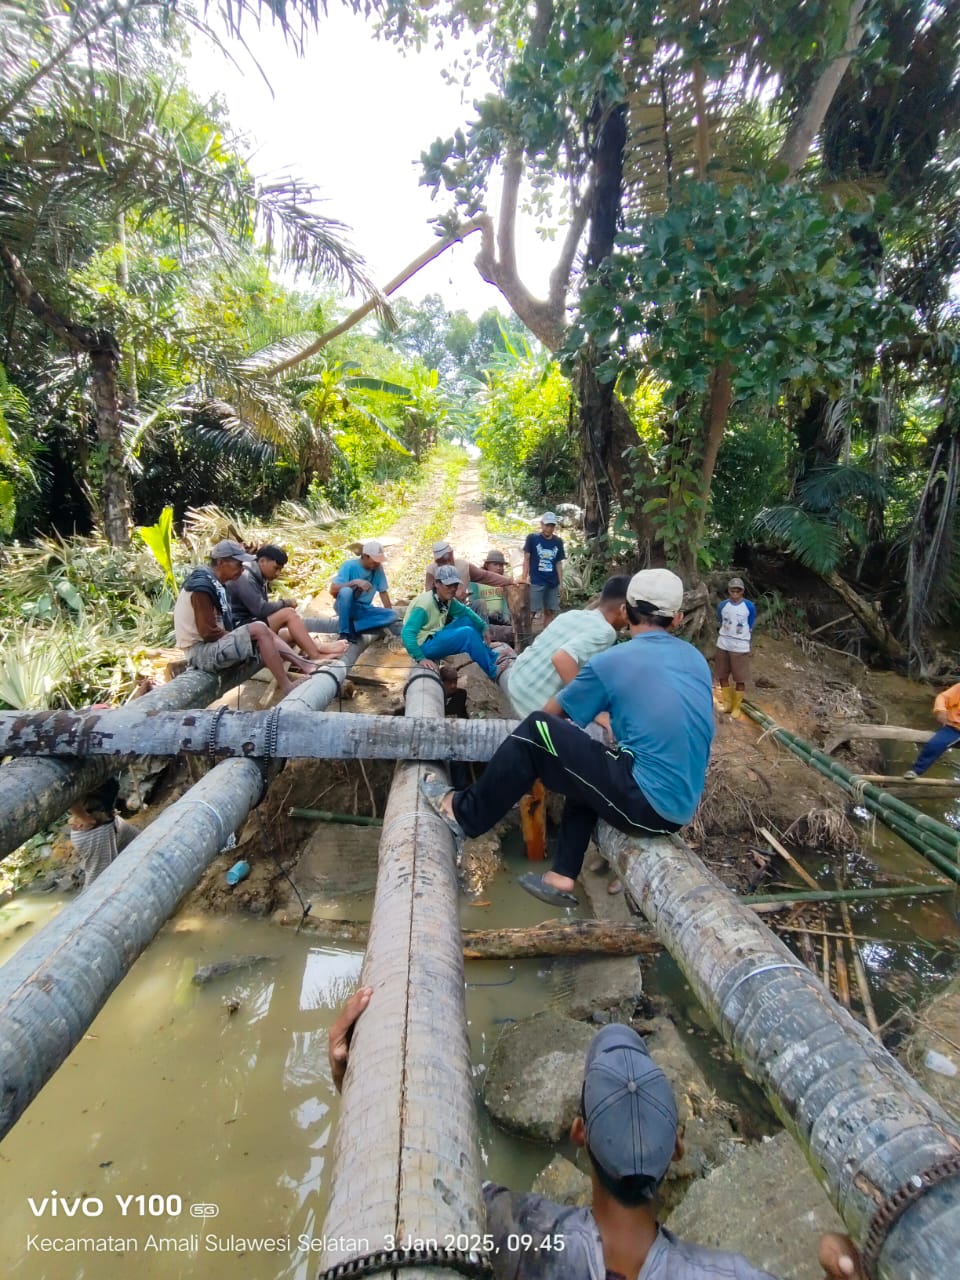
622,731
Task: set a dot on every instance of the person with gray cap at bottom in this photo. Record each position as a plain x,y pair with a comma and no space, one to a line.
735,617
467,573
628,1126
204,626
354,585
658,694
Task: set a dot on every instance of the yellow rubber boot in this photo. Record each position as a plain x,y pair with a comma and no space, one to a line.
725,697
736,704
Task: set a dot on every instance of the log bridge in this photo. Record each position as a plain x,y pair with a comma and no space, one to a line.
406,1157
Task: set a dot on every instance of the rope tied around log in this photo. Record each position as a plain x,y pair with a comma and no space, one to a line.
467,1262
896,1204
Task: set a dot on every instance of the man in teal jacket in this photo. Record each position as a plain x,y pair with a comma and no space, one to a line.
436,625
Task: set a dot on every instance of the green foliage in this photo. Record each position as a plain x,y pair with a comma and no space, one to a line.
766,278
159,540
755,469
824,520
526,445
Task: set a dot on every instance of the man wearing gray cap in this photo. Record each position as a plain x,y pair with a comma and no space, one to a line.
436,626
628,1127
657,692
466,572
204,627
735,616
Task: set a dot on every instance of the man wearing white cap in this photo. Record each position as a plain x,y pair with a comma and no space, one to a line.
467,572
543,557
658,693
356,583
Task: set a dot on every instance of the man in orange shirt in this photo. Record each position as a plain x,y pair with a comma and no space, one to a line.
946,708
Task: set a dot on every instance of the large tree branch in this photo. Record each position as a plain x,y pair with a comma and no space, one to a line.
543,319
560,275
80,338
507,222
410,270
799,139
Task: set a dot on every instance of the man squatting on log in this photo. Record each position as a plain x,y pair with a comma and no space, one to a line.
628,1125
250,600
204,624
657,691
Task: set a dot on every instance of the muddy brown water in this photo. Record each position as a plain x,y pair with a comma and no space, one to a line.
175,1099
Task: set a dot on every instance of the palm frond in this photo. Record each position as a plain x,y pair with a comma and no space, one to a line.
811,540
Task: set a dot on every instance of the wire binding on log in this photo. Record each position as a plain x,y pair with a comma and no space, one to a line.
472,1263
212,735
899,1201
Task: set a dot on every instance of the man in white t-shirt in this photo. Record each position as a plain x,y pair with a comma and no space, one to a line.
735,616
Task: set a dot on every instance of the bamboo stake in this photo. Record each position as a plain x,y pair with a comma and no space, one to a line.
843,977
806,949
791,861
826,963
859,972
325,815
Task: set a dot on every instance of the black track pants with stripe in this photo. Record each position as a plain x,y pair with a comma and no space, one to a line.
597,782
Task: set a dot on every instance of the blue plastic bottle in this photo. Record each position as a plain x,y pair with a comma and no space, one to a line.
239,871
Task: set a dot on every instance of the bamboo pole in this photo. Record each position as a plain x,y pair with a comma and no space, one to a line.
891,780
406,1155
35,792
846,895
843,977
868,1129
325,815
935,841
859,972
790,860
56,984
220,734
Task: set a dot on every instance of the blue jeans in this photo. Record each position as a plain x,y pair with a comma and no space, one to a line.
355,616
931,751
460,637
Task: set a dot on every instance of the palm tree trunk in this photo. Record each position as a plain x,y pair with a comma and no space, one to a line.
105,394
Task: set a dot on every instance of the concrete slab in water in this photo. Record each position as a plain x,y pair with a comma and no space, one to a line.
764,1203
338,860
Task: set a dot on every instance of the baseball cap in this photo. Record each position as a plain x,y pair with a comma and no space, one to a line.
228,550
494,557
658,587
446,575
441,549
548,517
629,1110
374,550
735,582
271,552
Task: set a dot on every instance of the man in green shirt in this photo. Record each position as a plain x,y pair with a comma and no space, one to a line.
436,625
